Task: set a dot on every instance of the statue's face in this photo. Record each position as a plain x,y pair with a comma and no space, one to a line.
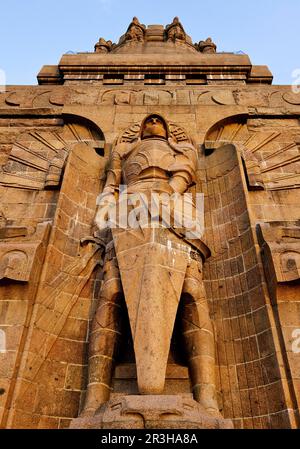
154,127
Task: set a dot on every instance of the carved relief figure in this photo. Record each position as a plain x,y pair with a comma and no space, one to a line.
280,246
13,265
155,271
175,31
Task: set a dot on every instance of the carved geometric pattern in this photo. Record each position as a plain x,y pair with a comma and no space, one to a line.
270,160
37,158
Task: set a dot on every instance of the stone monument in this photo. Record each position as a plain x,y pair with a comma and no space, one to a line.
150,315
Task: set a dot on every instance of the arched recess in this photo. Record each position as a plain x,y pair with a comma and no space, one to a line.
48,376
2,341
251,388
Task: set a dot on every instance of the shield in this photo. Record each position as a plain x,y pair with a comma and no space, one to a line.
152,263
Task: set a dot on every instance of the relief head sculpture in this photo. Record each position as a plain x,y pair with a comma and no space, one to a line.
207,46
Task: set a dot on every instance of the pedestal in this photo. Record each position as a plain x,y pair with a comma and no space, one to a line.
151,412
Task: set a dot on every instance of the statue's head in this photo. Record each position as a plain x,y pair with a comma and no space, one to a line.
154,126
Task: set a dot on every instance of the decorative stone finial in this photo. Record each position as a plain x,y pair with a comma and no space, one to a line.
175,31
207,46
136,31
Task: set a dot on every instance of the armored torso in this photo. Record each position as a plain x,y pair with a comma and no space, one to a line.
150,159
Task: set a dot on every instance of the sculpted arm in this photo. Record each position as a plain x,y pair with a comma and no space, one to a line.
184,167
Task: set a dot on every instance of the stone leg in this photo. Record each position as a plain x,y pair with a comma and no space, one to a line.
104,338
198,337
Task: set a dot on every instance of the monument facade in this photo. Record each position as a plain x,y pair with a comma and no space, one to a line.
111,318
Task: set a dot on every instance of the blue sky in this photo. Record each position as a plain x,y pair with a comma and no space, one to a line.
37,32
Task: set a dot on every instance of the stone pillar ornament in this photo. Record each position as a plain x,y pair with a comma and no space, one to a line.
155,272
